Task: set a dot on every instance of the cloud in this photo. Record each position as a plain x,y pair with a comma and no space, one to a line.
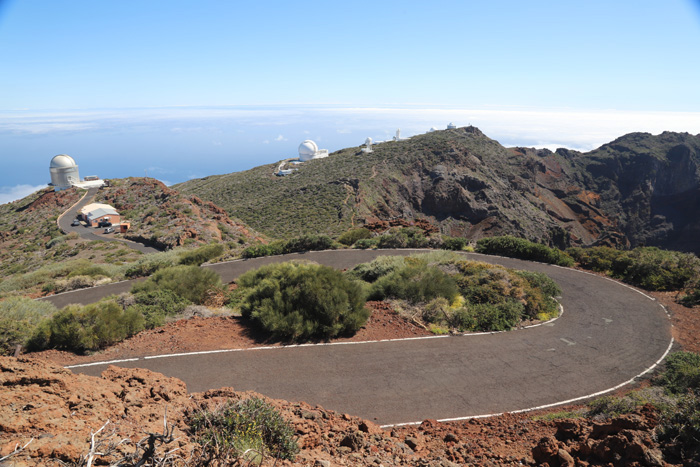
280,138
13,193
344,131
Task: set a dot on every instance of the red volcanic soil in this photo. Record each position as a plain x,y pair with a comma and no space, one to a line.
59,409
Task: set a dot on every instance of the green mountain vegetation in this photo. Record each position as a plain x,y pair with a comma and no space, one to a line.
637,190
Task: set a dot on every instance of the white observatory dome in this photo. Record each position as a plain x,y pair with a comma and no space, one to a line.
432,129
64,172
307,150
62,161
451,126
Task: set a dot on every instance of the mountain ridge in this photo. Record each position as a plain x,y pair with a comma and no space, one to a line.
467,184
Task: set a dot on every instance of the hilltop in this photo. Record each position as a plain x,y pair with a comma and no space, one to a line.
636,190
31,242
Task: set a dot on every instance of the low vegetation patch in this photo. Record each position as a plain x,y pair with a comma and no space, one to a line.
523,249
85,328
353,235
647,267
157,305
246,431
295,245
675,395
189,282
201,255
19,318
448,293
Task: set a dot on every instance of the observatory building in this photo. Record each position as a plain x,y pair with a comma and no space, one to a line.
451,126
309,150
64,172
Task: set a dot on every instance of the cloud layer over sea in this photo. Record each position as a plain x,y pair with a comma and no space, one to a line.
175,144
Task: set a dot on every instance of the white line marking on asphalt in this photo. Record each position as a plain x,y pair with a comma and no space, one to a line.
102,363
554,404
607,278
323,344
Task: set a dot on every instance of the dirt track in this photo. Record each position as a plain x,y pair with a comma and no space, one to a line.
608,334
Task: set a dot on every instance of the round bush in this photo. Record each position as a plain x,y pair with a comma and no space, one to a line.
300,301
351,236
189,282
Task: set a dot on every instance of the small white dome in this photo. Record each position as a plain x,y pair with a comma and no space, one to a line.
62,161
307,148
433,129
451,126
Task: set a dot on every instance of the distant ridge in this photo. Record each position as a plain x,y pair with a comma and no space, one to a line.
640,189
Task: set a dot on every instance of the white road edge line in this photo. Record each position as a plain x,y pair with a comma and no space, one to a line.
607,278
102,363
554,404
323,344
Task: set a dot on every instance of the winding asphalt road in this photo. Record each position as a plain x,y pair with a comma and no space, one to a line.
608,335
89,233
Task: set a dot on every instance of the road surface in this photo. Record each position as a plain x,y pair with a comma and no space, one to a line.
609,334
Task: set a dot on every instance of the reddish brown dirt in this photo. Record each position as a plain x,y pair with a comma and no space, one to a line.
686,321
59,409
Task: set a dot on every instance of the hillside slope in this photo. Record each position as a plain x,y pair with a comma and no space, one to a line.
651,184
165,218
639,189
159,216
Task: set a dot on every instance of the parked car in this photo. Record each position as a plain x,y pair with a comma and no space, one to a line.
109,230
75,222
104,224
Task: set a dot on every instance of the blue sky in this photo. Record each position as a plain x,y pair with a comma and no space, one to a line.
183,89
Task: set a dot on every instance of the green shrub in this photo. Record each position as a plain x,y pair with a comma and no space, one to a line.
679,427
405,237
366,243
523,249
256,251
682,373
201,255
647,267
248,424
690,299
294,245
611,406
149,264
299,301
378,267
415,281
453,243
56,241
614,406
91,327
157,305
351,236
309,243
542,281
189,282
92,270
19,317
486,317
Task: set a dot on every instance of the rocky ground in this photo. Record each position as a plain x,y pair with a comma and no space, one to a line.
59,410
